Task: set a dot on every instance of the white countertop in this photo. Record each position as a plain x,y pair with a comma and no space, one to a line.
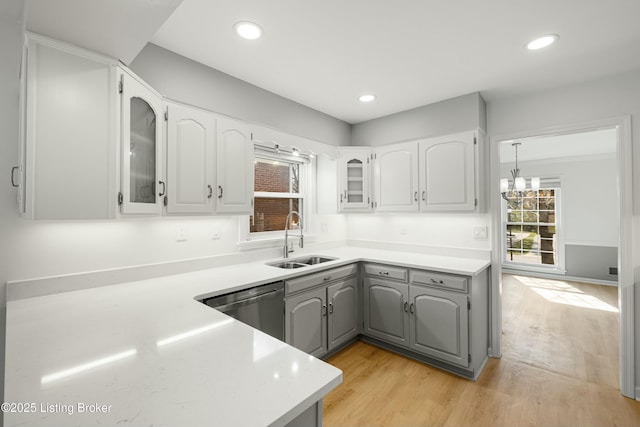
153,355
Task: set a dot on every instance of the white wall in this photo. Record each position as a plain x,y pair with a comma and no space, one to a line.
589,200
187,81
51,248
11,32
466,112
426,230
609,97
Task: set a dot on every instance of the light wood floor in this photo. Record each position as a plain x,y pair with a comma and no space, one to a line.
559,368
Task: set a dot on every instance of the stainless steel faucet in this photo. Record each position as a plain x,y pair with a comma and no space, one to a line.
286,233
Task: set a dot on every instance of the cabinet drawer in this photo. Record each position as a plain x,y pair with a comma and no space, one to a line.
386,272
439,280
314,279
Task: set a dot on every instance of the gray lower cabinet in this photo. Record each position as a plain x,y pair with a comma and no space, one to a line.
305,323
438,315
386,313
343,312
322,310
439,324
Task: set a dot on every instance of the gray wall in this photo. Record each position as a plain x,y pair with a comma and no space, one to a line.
592,262
11,35
459,114
187,81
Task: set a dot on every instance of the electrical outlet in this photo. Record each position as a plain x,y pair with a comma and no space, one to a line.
215,235
181,234
403,229
480,232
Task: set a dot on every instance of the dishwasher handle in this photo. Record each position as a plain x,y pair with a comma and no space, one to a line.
247,301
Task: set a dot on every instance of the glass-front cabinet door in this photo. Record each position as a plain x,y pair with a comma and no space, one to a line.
354,180
141,119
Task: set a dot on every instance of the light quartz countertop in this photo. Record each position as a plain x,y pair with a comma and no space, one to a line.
148,353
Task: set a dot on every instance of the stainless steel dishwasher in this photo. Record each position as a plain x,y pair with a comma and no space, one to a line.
261,307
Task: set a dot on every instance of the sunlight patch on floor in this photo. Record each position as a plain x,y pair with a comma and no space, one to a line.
562,292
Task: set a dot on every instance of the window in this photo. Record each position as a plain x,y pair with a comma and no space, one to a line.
277,191
531,225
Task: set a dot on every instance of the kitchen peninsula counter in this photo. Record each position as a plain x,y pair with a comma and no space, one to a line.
149,353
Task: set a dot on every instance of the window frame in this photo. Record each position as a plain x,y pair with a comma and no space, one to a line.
559,267
248,239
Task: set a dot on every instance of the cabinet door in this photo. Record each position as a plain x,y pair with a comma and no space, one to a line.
396,178
305,321
141,118
439,324
386,311
343,311
190,160
447,173
69,152
234,167
354,181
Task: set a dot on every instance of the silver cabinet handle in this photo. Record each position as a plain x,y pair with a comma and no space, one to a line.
415,196
326,278
411,308
164,188
424,196
341,197
220,195
330,308
210,191
436,281
13,174
406,303
324,309
383,273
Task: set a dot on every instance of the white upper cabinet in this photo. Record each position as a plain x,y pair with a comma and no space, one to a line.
235,154
68,148
396,178
141,134
191,134
354,180
448,173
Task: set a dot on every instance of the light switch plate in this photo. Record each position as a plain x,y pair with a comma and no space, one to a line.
480,232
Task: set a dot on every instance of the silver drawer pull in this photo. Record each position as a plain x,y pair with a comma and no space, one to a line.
326,278
436,281
405,306
383,273
411,308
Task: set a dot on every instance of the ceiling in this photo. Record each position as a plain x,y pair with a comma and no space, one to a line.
117,28
324,54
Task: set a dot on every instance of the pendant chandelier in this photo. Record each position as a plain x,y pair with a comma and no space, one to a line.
518,183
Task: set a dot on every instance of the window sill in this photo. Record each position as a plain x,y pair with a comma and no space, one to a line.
270,242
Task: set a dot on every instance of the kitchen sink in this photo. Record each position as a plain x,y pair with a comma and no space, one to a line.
287,264
301,262
313,260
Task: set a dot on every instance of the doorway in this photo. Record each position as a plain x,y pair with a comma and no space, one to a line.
624,266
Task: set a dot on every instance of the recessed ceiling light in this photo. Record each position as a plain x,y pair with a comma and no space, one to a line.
542,42
248,30
367,97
